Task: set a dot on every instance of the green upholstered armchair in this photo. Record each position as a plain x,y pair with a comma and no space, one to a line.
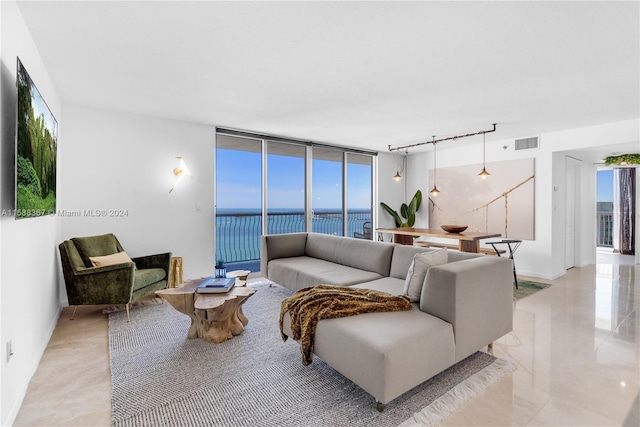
109,284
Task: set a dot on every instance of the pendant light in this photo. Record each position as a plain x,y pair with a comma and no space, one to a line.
483,173
400,169
397,176
434,191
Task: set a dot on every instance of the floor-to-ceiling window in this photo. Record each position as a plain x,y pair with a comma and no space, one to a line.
285,188
272,185
359,196
327,199
238,201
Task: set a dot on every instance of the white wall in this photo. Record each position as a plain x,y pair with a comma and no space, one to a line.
544,256
390,191
119,161
418,179
29,295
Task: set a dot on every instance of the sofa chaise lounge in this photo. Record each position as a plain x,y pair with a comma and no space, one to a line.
464,306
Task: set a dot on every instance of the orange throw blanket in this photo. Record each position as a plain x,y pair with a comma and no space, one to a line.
310,305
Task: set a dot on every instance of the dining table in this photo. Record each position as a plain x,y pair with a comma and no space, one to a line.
467,241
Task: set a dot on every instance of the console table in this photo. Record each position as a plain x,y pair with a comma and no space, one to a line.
467,241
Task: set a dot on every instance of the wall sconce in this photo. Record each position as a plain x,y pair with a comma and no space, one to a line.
180,172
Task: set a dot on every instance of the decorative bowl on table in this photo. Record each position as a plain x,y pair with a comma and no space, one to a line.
454,228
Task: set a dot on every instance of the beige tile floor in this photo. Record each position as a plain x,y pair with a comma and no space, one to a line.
576,345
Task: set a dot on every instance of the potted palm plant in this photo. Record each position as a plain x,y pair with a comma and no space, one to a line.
408,217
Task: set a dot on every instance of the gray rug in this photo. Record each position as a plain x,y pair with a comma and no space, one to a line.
161,378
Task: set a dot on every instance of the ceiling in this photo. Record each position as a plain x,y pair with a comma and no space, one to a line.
357,74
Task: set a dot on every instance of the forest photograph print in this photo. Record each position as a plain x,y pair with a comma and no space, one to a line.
36,147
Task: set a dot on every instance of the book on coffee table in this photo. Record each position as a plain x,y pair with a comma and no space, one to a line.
216,285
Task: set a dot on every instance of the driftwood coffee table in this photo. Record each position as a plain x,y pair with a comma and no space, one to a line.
214,317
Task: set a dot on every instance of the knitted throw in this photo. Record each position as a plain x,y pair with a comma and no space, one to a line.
309,305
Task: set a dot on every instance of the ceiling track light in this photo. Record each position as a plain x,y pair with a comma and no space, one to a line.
449,138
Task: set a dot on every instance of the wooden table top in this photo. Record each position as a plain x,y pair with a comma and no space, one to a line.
436,232
208,301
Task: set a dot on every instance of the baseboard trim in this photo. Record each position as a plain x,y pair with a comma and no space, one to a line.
538,275
34,363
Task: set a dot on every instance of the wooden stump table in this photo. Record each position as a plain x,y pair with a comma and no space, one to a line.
214,317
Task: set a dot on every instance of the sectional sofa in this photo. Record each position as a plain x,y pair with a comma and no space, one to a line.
464,306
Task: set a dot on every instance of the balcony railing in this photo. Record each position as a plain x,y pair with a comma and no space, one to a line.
605,229
238,231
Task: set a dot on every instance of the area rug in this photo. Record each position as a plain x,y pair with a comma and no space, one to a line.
526,288
161,378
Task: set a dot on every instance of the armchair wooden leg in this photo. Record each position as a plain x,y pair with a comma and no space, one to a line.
74,312
128,317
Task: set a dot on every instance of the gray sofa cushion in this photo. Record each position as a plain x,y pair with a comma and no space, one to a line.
387,353
403,255
390,285
402,258
418,271
284,246
299,272
357,253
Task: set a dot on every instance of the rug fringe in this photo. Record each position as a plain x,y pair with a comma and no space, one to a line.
457,397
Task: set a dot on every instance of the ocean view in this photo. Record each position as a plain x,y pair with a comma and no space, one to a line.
238,231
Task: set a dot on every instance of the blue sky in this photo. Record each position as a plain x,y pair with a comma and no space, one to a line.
605,185
239,182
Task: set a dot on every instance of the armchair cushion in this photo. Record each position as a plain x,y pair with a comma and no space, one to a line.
94,246
117,258
147,276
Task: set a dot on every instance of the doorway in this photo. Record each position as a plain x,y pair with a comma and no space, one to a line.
604,209
617,204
